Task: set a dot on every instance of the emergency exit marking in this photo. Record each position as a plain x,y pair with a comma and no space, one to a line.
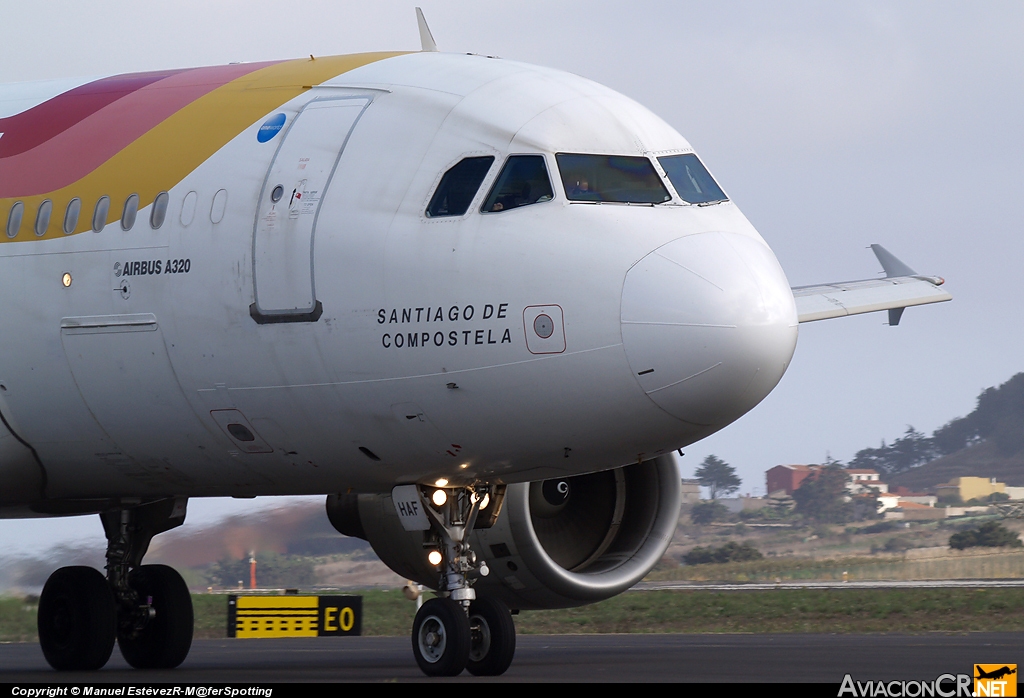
294,616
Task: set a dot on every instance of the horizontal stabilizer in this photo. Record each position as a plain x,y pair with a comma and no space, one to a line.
901,288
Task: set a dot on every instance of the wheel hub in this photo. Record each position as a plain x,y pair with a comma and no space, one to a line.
432,639
480,634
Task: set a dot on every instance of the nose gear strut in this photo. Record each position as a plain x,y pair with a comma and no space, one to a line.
452,521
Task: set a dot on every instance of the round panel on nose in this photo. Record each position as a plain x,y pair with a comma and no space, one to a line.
709,325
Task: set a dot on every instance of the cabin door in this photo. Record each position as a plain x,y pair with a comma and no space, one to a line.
285,232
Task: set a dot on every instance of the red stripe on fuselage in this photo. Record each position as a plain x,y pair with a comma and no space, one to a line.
42,122
83,146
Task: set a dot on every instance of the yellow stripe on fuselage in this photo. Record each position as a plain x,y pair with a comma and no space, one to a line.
166,154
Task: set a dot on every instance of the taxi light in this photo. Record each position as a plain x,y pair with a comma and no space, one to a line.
441,482
439,498
434,557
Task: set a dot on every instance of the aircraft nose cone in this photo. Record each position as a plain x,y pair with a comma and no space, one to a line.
709,325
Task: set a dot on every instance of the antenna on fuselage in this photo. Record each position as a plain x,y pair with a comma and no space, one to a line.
426,38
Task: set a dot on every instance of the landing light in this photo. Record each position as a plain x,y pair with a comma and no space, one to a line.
485,501
434,557
439,498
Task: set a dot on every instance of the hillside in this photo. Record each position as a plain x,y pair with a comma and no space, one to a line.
980,460
988,442
294,546
301,529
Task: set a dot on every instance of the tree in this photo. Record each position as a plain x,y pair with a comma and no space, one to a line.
999,416
822,497
730,552
989,534
909,451
718,476
704,513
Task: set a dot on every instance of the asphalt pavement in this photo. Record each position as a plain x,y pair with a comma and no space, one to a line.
781,658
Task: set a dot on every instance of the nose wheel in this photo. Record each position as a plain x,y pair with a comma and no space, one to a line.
441,638
492,637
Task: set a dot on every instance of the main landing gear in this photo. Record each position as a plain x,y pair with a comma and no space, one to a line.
146,609
457,630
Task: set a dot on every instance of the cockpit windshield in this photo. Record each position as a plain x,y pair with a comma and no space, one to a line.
523,181
692,181
611,178
458,187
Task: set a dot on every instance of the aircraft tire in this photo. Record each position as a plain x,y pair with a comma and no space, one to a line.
166,639
77,619
440,638
493,637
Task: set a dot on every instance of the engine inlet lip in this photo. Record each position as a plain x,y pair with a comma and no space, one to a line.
589,587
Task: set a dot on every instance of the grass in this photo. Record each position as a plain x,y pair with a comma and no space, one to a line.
678,611
770,569
17,620
790,611
980,564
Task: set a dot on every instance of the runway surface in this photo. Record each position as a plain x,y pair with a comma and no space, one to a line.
575,658
880,584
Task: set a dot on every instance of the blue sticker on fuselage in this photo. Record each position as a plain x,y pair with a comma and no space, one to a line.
270,128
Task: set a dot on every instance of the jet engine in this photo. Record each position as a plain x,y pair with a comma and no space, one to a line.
549,544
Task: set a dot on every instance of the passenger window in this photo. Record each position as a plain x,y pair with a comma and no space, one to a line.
219,207
14,219
458,187
692,181
43,217
131,210
523,181
159,212
71,215
99,214
611,178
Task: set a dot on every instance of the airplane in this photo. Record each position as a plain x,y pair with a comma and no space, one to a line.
477,303
995,673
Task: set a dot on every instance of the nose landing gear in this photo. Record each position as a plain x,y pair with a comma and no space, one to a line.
457,630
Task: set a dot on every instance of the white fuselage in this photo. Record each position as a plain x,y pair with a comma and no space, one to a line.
425,356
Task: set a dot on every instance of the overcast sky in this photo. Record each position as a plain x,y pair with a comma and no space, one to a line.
831,125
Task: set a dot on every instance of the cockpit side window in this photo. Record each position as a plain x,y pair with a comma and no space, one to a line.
523,181
458,187
692,181
612,178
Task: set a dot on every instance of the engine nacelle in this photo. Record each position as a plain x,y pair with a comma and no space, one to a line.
557,543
